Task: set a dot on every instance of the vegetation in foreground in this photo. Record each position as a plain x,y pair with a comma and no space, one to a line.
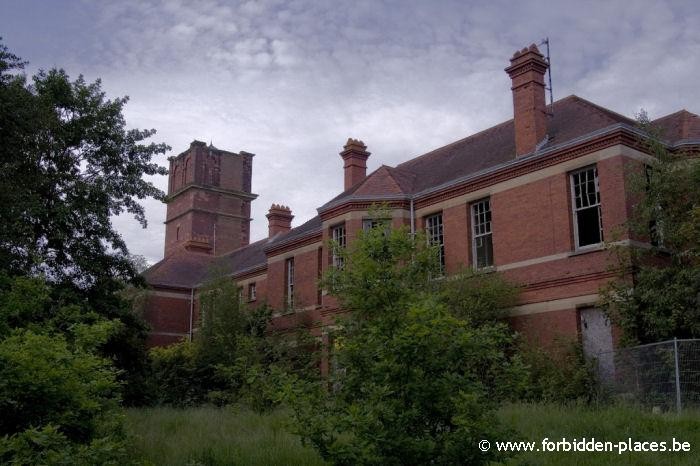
218,436
534,422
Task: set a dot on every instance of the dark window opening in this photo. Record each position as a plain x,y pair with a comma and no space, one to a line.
588,222
433,229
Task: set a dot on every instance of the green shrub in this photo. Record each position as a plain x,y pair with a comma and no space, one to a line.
177,377
420,364
561,373
59,403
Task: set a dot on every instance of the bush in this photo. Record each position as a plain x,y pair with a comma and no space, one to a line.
177,377
419,365
58,401
560,374
233,358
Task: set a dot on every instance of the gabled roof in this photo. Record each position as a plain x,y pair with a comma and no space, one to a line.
573,118
679,126
386,180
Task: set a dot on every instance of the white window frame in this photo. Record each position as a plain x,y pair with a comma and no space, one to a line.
436,238
252,292
289,286
481,228
575,209
339,236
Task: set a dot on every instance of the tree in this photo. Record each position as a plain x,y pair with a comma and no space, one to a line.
67,164
59,401
418,366
658,294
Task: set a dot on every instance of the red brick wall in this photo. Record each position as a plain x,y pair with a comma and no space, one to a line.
211,168
455,228
548,328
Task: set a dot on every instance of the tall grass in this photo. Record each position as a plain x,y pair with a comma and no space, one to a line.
226,436
534,422
216,436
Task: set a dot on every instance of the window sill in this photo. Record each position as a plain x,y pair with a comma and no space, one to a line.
587,249
488,269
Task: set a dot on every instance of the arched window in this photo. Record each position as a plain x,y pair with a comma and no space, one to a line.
185,172
173,180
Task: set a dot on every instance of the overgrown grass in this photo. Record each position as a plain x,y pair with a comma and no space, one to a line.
535,422
227,436
216,436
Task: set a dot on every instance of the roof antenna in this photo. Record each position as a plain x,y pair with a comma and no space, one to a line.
545,41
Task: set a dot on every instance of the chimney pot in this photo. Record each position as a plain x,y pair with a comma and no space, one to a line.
354,156
279,219
526,71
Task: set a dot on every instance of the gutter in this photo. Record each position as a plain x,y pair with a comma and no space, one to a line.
191,313
413,220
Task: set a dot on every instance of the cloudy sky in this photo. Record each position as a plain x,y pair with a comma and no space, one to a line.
291,80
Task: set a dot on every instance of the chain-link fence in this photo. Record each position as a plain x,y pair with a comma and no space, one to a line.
664,375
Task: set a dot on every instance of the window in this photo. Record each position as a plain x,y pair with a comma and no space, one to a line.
369,223
588,224
319,276
433,229
482,242
289,280
251,292
338,236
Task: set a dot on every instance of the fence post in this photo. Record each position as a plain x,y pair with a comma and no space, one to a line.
678,379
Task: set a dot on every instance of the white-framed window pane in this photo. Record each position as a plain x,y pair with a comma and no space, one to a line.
369,223
339,238
588,222
434,232
482,239
290,282
251,292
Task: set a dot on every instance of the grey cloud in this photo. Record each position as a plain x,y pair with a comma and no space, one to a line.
291,80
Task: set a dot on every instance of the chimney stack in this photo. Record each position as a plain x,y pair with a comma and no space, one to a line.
279,219
526,70
355,156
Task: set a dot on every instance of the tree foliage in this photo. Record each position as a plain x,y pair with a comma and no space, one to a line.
419,364
70,347
660,298
67,164
235,357
59,401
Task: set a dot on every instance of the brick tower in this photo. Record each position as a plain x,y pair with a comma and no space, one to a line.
209,195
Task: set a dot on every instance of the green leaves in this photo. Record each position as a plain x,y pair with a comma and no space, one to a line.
661,297
67,164
418,365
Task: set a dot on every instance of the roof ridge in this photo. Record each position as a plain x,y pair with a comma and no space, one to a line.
483,131
682,111
244,247
598,107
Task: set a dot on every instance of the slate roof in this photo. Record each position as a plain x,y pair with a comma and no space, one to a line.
181,269
679,126
573,117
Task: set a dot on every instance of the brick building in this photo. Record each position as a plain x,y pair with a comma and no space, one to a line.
533,197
